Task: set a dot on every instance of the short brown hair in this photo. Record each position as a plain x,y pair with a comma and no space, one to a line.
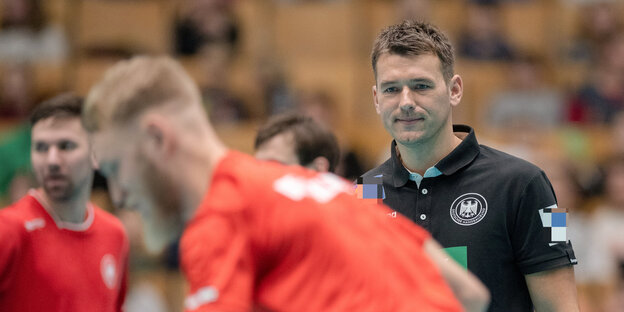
414,38
311,139
62,105
130,87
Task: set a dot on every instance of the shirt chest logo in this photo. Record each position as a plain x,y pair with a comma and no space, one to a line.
468,209
108,269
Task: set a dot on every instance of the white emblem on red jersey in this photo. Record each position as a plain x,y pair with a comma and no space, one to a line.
34,224
202,296
322,188
108,268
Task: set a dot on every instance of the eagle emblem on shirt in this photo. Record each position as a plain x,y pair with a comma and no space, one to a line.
468,209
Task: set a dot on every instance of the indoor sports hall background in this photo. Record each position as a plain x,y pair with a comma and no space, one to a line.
543,80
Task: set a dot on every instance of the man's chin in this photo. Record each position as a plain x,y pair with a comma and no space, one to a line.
57,194
409,140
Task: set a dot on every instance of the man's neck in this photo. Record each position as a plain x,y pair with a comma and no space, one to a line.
198,168
71,211
420,157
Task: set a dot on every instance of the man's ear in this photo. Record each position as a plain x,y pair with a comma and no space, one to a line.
320,164
157,136
457,90
375,99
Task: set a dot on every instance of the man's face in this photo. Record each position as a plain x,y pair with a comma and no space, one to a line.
61,157
135,182
412,97
280,148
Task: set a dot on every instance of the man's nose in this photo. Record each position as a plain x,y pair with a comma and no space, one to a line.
54,157
407,101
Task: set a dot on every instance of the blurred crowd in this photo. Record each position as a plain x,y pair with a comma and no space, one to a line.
560,105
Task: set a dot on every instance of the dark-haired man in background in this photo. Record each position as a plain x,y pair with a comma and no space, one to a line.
58,251
293,139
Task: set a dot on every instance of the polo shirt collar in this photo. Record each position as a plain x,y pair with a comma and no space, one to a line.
460,157
463,154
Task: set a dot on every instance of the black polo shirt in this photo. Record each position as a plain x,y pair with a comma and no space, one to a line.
490,210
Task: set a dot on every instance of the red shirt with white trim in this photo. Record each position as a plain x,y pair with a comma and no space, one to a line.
50,265
282,238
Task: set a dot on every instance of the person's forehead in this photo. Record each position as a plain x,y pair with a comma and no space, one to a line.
421,60
59,128
412,66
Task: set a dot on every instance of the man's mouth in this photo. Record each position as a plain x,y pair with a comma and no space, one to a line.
55,178
409,120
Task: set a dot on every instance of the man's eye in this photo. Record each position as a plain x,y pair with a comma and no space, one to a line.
391,90
420,86
66,146
41,147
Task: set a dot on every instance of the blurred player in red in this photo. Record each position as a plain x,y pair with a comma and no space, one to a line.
58,251
258,235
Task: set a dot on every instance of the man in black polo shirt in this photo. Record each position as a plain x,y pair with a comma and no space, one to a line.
494,213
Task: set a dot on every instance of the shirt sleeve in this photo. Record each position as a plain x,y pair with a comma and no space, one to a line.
217,260
10,243
539,232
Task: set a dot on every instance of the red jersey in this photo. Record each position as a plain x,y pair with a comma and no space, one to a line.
50,265
282,238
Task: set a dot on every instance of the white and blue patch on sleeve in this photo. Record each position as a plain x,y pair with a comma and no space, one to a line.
554,219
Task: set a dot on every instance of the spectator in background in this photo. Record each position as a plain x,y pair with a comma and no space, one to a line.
26,36
599,271
482,39
204,22
529,102
602,96
278,95
16,102
207,30
598,22
222,104
16,92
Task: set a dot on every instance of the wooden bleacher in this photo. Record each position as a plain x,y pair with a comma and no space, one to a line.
142,26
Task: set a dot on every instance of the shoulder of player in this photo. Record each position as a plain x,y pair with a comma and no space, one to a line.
14,217
507,165
21,210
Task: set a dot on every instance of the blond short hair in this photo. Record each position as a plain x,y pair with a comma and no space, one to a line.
132,86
